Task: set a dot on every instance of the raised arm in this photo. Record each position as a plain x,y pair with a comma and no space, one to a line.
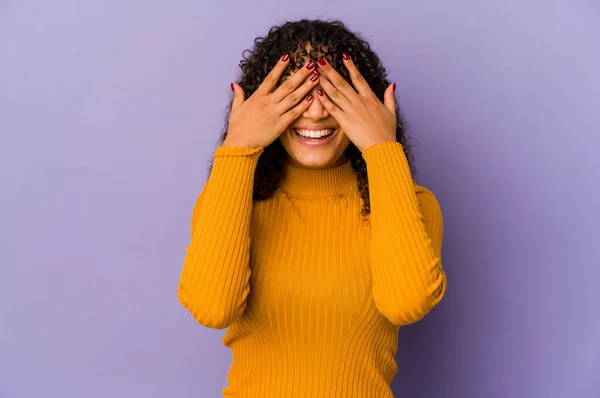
214,282
406,237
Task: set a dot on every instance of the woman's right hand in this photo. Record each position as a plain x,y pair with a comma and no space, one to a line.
260,120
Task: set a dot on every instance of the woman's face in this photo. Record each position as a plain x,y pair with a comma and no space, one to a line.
314,153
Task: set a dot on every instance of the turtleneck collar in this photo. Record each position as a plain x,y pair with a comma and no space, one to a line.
307,182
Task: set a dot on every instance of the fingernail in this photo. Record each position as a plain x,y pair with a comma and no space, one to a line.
285,57
232,87
394,85
310,65
309,98
346,56
315,76
322,62
320,92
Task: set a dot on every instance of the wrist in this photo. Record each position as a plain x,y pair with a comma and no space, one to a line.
239,143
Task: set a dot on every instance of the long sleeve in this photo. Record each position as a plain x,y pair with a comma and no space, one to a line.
406,237
214,282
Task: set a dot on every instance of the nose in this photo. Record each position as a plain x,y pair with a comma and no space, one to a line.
316,110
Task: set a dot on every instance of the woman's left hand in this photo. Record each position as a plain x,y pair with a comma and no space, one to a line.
365,120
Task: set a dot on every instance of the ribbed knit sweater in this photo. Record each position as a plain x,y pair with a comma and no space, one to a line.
312,295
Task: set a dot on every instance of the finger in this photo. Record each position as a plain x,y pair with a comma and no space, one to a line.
334,94
292,83
298,94
357,78
337,80
274,75
389,100
331,107
288,117
238,96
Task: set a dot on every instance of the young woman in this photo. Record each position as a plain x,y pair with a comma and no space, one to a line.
310,240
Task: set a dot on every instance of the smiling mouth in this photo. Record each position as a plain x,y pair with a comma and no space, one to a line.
305,137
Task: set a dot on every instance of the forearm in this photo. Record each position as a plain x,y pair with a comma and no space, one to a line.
408,279
214,282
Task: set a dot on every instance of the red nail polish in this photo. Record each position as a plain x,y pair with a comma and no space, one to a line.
309,98
346,56
320,92
285,57
310,65
394,86
322,62
232,87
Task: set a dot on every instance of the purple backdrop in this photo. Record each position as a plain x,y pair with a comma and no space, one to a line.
109,113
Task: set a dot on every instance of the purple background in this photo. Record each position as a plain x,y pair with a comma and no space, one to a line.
110,112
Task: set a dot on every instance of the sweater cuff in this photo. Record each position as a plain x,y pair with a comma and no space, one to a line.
223,151
379,151
387,155
389,171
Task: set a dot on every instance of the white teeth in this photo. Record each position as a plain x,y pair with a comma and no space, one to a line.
314,133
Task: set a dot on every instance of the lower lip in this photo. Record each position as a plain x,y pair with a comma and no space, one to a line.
310,142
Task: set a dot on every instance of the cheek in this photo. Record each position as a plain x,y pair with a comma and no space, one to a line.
286,136
344,138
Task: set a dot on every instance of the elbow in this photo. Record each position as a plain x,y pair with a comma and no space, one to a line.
407,313
210,319
210,315
411,311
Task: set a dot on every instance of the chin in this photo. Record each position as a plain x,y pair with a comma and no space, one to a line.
314,161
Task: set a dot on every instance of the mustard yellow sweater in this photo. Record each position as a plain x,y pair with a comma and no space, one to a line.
312,295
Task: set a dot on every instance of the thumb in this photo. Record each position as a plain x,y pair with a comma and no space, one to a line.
238,96
388,98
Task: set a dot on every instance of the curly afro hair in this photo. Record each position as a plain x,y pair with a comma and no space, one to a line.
327,39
